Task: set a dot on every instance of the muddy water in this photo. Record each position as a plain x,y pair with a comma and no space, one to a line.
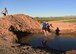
52,42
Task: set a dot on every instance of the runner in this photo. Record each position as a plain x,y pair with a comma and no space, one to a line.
44,28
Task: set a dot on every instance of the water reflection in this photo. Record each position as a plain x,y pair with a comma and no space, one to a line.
62,44
56,45
34,40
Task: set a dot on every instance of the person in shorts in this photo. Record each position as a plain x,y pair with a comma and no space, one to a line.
44,28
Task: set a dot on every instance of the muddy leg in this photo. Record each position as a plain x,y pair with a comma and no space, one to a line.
45,34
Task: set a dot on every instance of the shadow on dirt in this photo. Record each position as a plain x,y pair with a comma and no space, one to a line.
18,33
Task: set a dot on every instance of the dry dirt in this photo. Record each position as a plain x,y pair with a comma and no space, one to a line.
63,26
66,29
12,24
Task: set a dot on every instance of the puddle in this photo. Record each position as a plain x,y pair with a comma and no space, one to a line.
57,43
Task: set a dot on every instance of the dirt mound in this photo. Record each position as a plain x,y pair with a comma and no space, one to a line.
18,24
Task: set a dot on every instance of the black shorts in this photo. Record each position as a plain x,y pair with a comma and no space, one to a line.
44,29
4,14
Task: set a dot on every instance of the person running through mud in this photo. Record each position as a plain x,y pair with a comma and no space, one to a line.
57,31
5,12
48,27
44,28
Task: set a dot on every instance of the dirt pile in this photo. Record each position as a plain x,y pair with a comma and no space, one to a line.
18,24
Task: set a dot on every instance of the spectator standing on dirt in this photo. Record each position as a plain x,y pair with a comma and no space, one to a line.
5,12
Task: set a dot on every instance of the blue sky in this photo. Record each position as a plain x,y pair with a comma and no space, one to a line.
41,8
